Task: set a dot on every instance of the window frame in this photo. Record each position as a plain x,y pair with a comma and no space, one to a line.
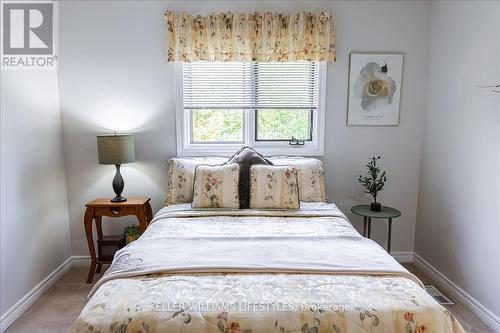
314,147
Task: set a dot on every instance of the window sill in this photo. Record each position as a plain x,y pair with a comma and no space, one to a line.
228,150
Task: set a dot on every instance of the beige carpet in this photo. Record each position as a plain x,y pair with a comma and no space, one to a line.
56,310
59,307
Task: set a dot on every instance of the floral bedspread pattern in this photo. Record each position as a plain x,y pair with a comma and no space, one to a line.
339,297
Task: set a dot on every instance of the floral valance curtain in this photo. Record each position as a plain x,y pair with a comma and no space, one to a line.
250,37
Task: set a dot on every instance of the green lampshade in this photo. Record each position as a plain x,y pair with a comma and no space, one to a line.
116,149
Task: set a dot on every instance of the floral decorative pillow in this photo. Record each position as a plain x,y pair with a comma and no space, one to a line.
216,186
274,187
181,176
311,176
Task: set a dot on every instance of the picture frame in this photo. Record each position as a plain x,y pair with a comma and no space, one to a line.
374,88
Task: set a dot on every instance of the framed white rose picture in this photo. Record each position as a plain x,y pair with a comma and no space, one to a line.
374,89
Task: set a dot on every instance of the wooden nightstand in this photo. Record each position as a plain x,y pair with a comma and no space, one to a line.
98,208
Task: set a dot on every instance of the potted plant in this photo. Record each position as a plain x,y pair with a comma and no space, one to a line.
132,233
373,182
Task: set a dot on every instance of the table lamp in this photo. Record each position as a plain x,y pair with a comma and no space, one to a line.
116,149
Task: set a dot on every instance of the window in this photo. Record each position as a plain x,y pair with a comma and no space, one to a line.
224,105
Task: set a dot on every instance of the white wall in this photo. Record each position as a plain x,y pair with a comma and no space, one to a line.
34,225
114,75
458,224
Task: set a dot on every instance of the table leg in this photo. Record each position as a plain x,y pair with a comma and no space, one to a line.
89,217
369,227
98,225
141,216
389,237
149,212
364,225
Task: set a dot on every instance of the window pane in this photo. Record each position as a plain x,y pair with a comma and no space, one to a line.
283,124
217,125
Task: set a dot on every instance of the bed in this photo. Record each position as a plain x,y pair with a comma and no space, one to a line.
288,262
251,270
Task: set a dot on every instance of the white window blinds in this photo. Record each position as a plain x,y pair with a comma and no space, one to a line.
250,85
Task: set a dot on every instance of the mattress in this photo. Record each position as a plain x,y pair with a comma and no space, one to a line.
258,271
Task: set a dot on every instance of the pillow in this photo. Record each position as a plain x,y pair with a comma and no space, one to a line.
274,187
181,175
216,186
245,158
311,176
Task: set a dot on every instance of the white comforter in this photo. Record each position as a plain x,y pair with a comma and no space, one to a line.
181,240
258,271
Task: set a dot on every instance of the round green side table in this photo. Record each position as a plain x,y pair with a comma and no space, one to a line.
385,213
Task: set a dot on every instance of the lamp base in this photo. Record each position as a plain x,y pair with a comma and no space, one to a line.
118,186
119,199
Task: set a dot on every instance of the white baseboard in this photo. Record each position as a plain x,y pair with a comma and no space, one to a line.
402,257
80,260
458,293
11,315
